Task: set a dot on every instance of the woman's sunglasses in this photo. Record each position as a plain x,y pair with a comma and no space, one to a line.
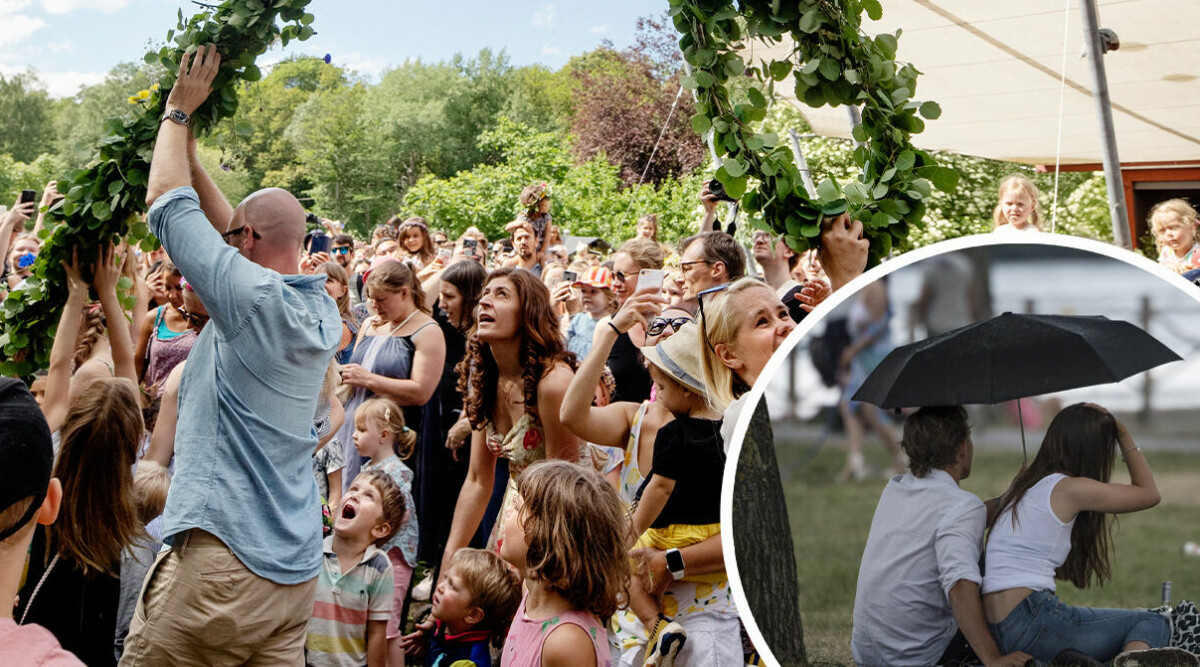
703,323
660,324
195,319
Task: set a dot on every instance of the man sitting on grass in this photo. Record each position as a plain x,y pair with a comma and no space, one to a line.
919,578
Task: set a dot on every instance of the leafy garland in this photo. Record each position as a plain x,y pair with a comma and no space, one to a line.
105,201
836,64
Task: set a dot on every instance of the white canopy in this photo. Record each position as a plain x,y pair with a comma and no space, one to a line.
994,68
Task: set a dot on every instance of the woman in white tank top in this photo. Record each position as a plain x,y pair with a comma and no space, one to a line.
1062,503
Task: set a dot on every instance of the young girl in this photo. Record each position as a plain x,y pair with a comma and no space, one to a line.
380,435
678,506
567,538
1018,207
595,289
165,337
416,246
337,284
1053,524
1177,234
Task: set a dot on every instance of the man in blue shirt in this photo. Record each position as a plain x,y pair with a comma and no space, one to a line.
242,516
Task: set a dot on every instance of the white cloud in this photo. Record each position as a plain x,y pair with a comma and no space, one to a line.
60,46
16,28
361,63
66,84
544,17
68,6
598,29
549,50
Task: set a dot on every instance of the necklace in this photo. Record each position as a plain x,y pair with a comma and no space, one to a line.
397,327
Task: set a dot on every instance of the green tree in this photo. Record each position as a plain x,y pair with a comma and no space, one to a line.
26,131
16,176
79,120
589,199
346,157
255,141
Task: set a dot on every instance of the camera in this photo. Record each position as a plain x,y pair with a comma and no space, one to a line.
718,190
312,219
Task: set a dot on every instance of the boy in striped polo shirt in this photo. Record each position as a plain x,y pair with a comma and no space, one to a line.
354,590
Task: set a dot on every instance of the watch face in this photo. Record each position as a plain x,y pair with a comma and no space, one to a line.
674,560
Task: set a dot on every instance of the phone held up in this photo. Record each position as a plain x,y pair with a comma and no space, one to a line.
28,196
650,279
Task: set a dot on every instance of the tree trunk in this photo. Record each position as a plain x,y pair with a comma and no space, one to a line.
763,543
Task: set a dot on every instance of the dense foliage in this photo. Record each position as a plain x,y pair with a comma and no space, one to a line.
104,201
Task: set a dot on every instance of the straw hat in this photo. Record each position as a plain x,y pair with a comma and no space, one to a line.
679,357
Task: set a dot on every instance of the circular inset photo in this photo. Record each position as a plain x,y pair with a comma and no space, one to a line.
986,453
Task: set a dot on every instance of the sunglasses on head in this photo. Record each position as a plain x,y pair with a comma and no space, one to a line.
195,319
703,323
660,324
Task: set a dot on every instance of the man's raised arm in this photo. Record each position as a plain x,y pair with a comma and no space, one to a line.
169,169
212,201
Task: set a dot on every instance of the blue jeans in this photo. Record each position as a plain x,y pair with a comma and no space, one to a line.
1042,626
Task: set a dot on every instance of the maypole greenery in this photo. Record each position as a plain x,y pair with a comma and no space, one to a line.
104,202
833,63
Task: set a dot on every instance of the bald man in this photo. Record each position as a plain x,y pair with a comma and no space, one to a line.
242,517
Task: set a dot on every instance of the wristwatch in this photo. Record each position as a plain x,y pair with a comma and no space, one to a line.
176,116
675,563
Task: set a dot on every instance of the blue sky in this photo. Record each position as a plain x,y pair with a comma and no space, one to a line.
75,42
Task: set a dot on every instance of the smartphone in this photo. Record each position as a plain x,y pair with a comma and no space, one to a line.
28,196
570,277
320,243
650,279
444,255
470,247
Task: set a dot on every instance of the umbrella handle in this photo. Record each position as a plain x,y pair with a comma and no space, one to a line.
1021,419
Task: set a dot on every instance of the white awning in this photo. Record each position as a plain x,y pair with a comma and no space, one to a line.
994,68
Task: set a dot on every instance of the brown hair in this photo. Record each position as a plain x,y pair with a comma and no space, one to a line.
932,436
385,413
391,500
91,328
645,253
10,515
335,271
468,278
1081,441
393,276
575,528
541,348
427,251
100,439
494,585
719,247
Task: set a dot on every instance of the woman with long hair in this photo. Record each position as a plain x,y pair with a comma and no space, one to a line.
513,377
398,353
441,465
1054,523
337,284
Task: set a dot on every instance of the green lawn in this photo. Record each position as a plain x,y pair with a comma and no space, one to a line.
830,523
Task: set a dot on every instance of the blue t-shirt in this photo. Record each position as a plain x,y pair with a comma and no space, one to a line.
580,333
244,441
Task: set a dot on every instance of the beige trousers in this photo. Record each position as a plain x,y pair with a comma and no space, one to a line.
200,605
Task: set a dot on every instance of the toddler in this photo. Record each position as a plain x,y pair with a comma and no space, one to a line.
1177,234
380,435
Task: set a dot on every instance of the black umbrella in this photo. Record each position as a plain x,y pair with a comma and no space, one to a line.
1012,356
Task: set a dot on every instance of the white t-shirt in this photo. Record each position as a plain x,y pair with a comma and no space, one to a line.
924,539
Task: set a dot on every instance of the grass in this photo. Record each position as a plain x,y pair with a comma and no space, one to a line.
830,522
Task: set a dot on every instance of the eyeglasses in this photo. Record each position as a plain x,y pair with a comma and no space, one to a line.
700,302
660,324
683,266
195,319
240,230
340,250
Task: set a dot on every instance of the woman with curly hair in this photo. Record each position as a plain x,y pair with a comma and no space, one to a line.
1054,524
514,375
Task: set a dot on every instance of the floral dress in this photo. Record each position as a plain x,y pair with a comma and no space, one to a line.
523,445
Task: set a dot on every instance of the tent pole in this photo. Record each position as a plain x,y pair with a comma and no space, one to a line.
1108,138
802,164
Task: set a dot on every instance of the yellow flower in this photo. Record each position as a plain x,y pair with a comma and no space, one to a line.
154,87
141,96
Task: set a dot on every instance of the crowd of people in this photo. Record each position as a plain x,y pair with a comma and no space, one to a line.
299,446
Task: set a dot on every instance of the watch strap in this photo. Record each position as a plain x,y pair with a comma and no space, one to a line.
176,116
